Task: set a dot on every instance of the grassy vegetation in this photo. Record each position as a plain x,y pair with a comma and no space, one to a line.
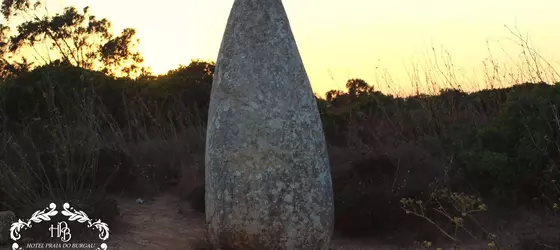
400,165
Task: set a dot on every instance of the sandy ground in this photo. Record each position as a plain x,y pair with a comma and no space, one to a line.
165,222
155,224
159,224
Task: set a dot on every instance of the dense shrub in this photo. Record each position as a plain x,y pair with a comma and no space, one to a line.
364,201
514,154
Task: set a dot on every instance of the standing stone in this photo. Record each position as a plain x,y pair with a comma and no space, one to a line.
268,180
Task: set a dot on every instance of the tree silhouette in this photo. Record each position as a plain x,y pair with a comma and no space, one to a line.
9,67
333,94
11,6
72,37
357,87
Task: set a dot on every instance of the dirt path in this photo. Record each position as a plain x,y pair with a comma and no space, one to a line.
166,223
157,225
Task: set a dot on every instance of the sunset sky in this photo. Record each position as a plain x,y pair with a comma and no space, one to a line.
339,40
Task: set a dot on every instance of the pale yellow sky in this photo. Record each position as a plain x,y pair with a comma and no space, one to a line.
339,39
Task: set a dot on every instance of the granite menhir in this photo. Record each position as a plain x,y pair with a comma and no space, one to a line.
268,179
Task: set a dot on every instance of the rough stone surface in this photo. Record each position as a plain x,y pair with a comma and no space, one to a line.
268,180
6,220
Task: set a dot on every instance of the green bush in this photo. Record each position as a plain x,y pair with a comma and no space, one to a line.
510,156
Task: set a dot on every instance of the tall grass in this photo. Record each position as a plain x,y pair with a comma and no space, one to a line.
78,146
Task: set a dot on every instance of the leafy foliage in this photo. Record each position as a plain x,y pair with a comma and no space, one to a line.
71,37
516,152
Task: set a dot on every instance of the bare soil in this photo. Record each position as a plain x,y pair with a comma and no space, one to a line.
165,222
159,223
